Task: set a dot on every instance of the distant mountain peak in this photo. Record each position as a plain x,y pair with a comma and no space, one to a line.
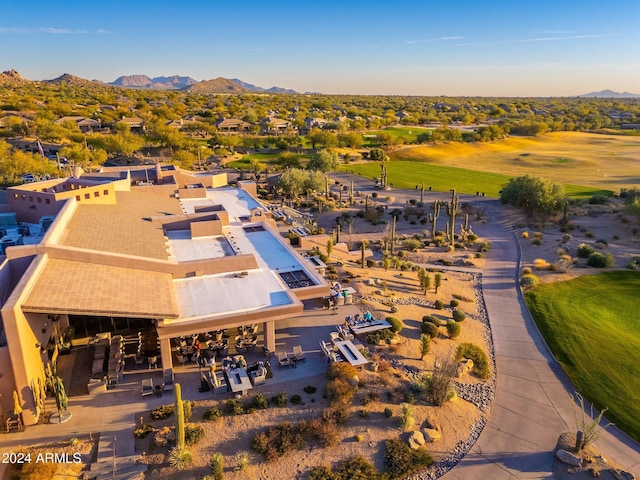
174,82
609,94
68,79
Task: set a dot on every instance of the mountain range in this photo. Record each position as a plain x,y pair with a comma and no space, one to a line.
175,82
609,94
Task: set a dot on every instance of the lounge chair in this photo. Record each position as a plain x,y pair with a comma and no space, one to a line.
298,354
147,387
283,360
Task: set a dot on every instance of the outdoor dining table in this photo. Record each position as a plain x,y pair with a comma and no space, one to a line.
351,353
238,380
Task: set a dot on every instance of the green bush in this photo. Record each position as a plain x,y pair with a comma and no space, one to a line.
459,315
599,260
342,370
429,329
321,473
479,357
454,303
193,433
439,304
213,413
259,402
529,280
380,336
142,431
388,413
400,459
634,263
431,319
584,250
234,407
296,399
216,466
356,468
279,400
453,329
162,412
396,325
337,414
310,389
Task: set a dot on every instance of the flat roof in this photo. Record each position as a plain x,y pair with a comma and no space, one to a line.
124,227
77,287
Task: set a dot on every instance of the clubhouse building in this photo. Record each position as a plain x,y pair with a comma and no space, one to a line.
149,249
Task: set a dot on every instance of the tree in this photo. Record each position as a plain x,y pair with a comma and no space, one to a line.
386,263
363,247
329,247
425,279
324,161
533,194
425,343
438,281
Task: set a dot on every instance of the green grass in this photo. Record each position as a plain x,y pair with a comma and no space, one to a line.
443,178
265,158
591,325
409,134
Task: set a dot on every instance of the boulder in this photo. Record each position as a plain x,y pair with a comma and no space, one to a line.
568,458
464,367
431,435
416,440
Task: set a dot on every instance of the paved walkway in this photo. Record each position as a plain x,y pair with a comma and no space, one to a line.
532,404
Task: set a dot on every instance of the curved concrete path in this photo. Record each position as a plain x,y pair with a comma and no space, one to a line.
532,404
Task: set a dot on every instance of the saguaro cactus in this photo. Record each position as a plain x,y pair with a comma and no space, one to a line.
393,234
351,194
421,192
363,246
179,411
433,217
452,211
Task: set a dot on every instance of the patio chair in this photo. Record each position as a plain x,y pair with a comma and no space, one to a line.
298,354
152,361
335,337
182,359
147,387
283,359
13,422
169,379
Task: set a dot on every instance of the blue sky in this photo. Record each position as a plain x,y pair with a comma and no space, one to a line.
463,47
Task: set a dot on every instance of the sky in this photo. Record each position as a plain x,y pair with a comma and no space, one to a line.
453,48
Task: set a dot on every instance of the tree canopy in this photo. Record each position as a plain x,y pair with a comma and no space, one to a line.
533,194
324,161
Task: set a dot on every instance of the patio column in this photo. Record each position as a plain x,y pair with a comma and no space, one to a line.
270,335
165,353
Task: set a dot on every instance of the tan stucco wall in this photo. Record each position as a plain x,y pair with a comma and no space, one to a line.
206,229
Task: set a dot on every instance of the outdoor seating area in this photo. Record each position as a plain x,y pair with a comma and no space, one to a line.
365,324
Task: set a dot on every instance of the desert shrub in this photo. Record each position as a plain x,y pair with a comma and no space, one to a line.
406,420
529,280
429,329
396,325
479,357
536,241
193,433
340,390
425,342
310,389
541,264
380,336
388,413
279,400
179,457
321,472
342,370
326,434
482,246
213,413
525,234
462,298
278,440
431,319
162,412
142,431
584,250
241,460
338,414
472,237
603,242
478,254
599,260
259,402
634,263
459,315
439,304
400,459
296,399
539,235
233,407
355,468
371,263
454,303
526,271
598,200
453,329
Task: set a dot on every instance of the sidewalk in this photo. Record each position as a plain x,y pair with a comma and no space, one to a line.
532,406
